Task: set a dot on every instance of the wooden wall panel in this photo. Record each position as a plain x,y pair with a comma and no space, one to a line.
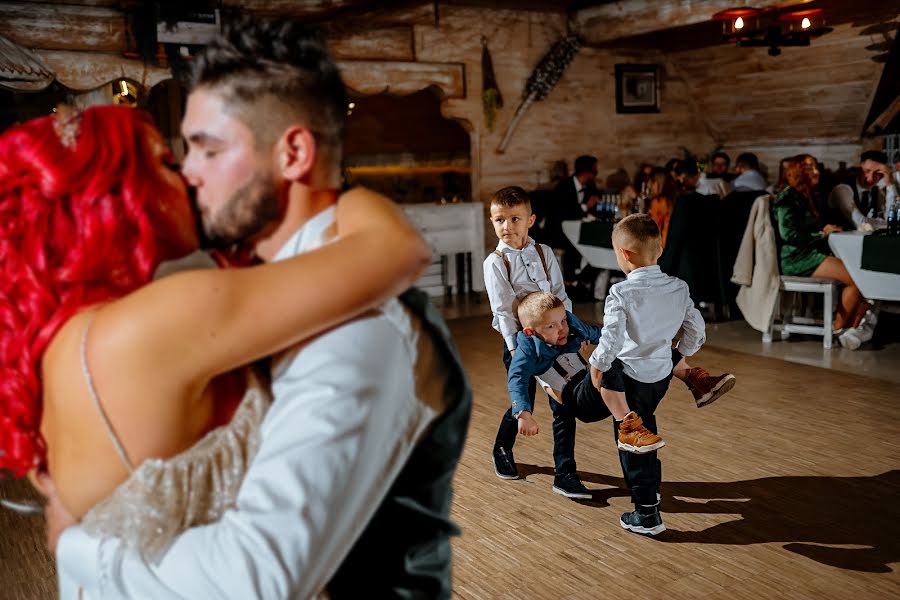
577,117
394,77
63,27
385,43
86,71
625,18
816,96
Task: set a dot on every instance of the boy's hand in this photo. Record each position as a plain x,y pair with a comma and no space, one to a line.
527,425
512,353
596,375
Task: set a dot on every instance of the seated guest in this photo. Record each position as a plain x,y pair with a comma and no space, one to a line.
574,198
642,177
748,175
718,165
715,180
671,166
860,201
662,191
803,248
692,236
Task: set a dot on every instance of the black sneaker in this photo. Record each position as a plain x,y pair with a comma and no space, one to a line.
504,464
644,523
570,486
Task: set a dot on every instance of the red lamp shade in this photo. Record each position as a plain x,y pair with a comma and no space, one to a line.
738,22
810,19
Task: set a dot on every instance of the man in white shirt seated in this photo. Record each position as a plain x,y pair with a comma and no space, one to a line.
714,182
862,201
748,179
350,490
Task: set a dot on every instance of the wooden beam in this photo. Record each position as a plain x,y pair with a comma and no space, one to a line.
292,8
885,117
81,2
401,78
626,18
63,27
387,43
88,70
329,12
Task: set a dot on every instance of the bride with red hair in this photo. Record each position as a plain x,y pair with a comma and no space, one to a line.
90,206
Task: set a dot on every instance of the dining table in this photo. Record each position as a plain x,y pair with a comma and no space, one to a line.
873,261
593,239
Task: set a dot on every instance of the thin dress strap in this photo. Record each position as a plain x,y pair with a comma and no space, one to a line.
120,449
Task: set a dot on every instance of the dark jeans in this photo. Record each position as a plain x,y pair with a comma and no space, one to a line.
563,450
582,401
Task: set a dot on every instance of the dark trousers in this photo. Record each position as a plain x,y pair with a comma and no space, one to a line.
563,449
582,401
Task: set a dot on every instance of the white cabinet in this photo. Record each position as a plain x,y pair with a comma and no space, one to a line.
452,229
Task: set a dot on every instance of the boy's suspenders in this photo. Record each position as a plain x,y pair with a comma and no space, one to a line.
540,252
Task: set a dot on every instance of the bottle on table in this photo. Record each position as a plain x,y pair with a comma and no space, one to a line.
892,207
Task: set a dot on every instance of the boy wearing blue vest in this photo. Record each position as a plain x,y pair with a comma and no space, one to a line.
518,267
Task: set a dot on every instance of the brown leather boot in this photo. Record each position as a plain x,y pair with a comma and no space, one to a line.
706,388
635,438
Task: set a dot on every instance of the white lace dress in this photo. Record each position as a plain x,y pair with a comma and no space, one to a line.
163,497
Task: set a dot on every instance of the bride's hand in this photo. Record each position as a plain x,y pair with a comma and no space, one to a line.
58,518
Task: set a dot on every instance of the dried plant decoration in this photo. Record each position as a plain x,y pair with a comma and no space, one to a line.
545,75
491,98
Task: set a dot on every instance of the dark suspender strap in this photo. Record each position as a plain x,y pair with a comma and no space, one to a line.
505,262
540,252
559,370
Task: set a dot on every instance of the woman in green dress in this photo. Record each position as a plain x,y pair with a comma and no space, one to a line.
802,240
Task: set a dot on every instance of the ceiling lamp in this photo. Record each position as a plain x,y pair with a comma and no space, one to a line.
738,21
772,28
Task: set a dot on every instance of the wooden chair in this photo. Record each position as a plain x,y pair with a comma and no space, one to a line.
804,285
815,285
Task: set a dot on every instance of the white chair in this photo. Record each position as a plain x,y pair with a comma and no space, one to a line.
816,285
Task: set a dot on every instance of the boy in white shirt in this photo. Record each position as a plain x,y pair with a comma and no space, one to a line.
642,316
519,267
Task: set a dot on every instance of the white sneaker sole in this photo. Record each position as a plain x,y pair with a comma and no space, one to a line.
580,495
643,530
506,477
722,388
850,342
641,449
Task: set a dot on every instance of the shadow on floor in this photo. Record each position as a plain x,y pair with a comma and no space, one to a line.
810,515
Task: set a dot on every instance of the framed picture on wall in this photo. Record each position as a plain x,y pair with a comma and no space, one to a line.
637,88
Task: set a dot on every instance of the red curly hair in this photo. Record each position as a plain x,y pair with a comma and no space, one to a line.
79,224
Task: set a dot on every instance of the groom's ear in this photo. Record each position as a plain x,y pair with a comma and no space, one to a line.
296,153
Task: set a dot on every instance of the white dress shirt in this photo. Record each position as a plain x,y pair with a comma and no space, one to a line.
713,186
749,181
579,193
344,420
641,318
526,275
841,198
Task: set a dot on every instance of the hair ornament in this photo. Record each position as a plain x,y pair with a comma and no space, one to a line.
67,124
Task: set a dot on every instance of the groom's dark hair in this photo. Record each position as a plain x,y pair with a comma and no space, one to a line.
273,73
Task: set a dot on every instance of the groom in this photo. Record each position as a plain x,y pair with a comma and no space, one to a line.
350,491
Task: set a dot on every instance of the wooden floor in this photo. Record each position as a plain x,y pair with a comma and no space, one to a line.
789,487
